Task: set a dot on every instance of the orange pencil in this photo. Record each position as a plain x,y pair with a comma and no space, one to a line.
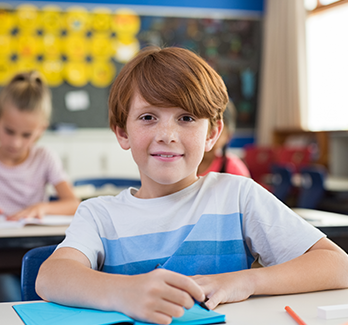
294,316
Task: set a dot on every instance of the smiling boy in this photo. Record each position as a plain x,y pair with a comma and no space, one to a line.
166,106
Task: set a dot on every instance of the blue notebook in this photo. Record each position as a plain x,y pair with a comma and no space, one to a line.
48,313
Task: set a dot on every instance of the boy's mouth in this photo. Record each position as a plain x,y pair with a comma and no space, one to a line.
166,155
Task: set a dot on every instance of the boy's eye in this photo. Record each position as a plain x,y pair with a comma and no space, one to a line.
187,118
26,135
147,117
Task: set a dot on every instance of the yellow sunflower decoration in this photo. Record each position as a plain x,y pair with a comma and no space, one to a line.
7,19
73,45
126,24
101,20
77,19
102,73
27,18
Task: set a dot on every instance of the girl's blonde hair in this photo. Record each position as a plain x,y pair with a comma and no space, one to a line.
168,77
28,93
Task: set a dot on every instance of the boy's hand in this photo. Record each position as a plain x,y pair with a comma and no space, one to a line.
31,212
226,287
159,295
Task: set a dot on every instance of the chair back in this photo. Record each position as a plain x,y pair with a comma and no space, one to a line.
281,180
300,157
312,186
259,161
31,263
99,182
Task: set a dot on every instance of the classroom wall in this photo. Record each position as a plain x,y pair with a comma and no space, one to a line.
80,63
91,153
80,110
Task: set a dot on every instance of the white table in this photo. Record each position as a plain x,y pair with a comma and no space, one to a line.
84,192
266,310
322,219
33,231
336,184
331,183
334,225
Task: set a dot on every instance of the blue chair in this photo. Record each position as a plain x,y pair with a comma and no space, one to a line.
312,187
281,181
31,263
99,182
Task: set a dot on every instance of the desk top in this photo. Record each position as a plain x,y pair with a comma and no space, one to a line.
33,231
336,184
322,218
270,309
264,310
84,192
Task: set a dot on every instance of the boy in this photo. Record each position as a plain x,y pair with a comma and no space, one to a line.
166,105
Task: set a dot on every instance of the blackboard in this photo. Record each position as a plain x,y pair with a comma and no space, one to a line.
231,46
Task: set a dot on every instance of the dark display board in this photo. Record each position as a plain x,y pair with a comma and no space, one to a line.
232,48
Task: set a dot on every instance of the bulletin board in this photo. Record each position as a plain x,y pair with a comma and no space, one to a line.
80,51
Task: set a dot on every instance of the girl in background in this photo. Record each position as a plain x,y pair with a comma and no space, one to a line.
26,169
218,159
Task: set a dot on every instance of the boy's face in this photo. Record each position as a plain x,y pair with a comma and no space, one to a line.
18,132
167,145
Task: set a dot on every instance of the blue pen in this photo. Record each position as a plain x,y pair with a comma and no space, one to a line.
202,304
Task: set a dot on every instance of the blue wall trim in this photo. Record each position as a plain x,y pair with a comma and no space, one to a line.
252,5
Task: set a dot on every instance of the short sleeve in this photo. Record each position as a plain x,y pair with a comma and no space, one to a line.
83,235
273,232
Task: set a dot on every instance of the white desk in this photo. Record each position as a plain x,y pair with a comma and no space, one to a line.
331,183
270,310
334,225
33,231
267,310
336,184
322,219
84,192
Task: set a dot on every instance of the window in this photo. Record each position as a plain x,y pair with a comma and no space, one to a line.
327,60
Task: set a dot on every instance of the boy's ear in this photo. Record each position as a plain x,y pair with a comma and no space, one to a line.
122,137
213,135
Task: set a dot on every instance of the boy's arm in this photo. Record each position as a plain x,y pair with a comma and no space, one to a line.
65,205
323,266
66,278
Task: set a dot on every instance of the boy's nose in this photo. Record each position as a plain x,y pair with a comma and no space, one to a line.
167,132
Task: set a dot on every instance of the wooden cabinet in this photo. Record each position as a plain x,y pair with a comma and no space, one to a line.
320,141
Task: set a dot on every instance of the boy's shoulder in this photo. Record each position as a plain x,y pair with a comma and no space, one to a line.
226,178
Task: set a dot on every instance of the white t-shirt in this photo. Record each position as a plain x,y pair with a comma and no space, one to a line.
221,223
25,184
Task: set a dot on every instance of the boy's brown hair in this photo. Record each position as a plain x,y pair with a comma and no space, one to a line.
27,92
168,77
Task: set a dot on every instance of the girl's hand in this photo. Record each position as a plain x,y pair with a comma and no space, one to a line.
226,287
158,296
34,211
